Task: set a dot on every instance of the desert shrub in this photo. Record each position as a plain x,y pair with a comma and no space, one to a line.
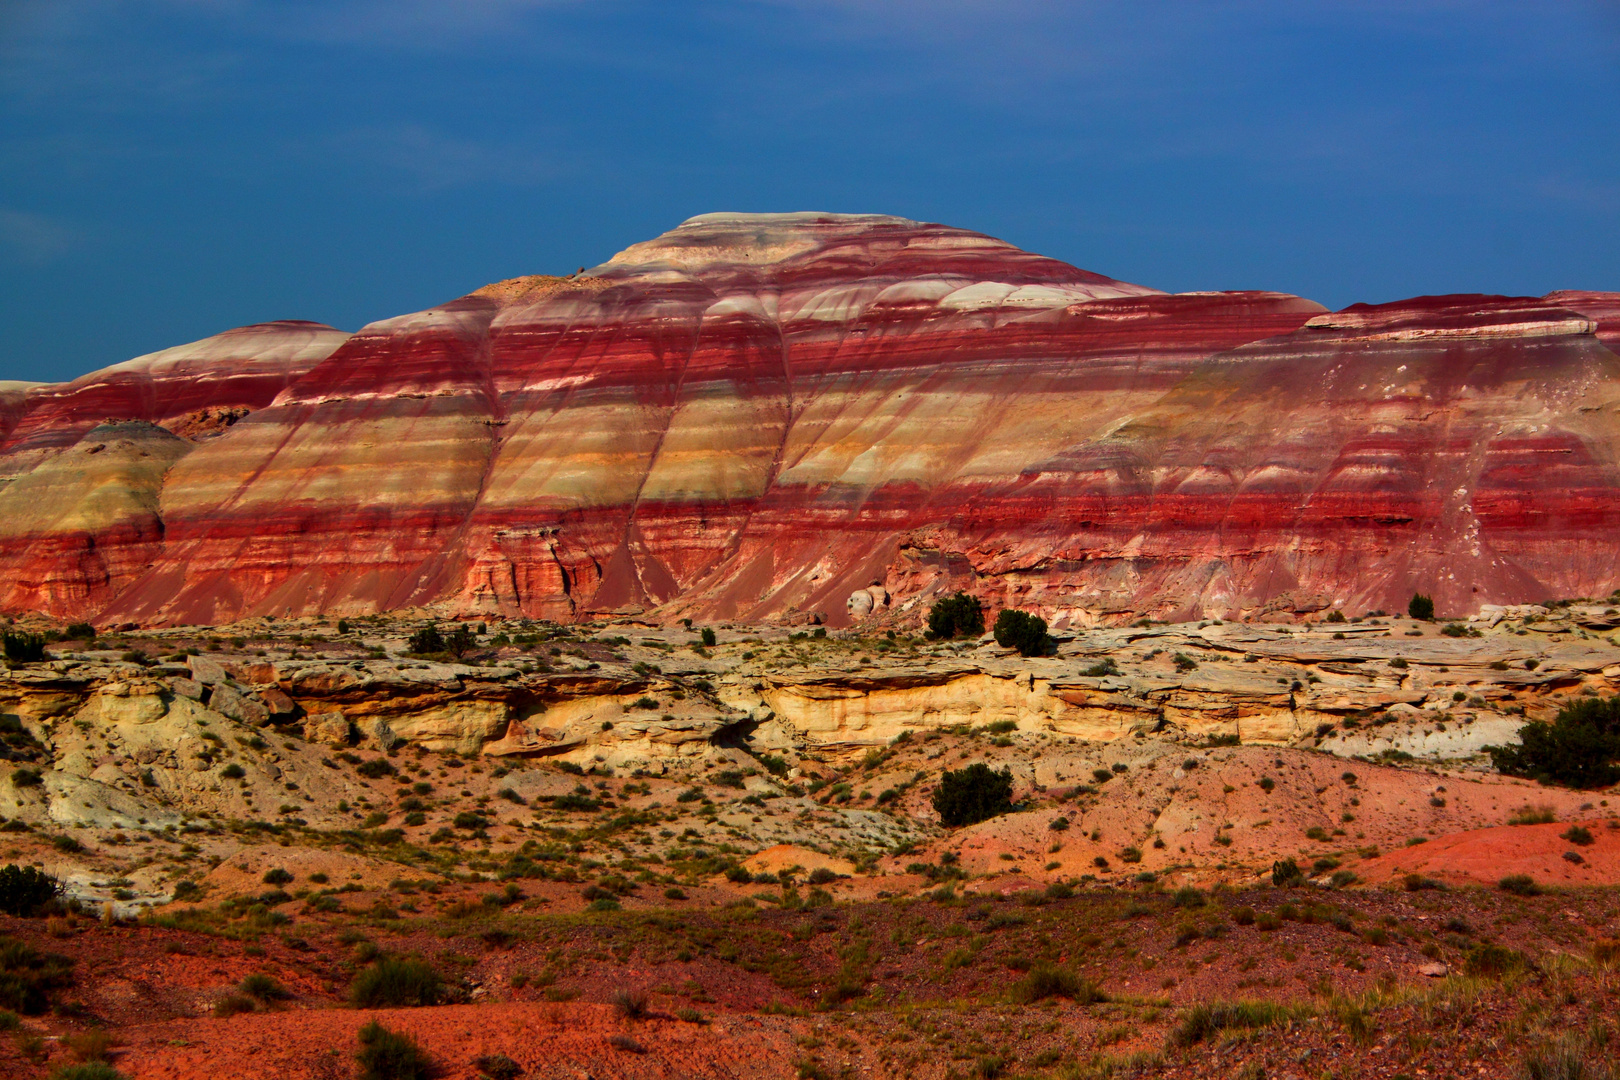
277,876
392,982
1421,607
233,771
1532,815
1566,1058
1024,632
821,875
1492,961
1189,896
1103,667
1519,885
629,1004
27,977
24,890
976,793
427,640
263,987
498,1067
1267,783
1578,749
24,777
1047,982
388,1055
88,1070
233,1005
1578,835
956,616
1285,874
708,637
23,648
1205,1021
469,820
375,768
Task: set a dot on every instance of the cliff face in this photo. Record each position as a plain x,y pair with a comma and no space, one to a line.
755,416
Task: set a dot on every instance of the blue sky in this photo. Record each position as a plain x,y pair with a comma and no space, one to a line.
172,168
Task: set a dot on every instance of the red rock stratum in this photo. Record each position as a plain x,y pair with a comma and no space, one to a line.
756,416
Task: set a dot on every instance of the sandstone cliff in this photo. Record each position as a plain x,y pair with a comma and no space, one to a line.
831,417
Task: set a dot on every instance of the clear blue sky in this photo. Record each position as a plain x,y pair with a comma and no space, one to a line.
172,168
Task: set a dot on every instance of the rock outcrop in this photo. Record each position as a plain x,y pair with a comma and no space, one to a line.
758,417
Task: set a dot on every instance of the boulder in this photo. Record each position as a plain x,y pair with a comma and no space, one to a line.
327,728
376,734
244,708
206,670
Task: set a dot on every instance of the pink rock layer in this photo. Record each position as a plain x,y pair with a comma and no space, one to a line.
753,416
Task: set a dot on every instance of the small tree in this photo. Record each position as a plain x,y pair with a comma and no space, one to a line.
956,616
1022,631
973,794
1421,607
26,889
23,648
708,638
1579,749
461,642
427,640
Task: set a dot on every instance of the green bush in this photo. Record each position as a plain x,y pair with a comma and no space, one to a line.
1519,885
26,889
1579,749
1578,835
460,642
28,976
264,987
89,1070
708,637
23,648
973,794
1421,607
1022,631
392,983
1204,1021
388,1055
79,631
498,1067
1492,961
427,640
233,771
1285,874
1047,982
956,616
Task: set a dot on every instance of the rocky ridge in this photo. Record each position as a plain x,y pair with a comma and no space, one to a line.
820,418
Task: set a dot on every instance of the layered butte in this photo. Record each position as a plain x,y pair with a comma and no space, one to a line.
761,416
